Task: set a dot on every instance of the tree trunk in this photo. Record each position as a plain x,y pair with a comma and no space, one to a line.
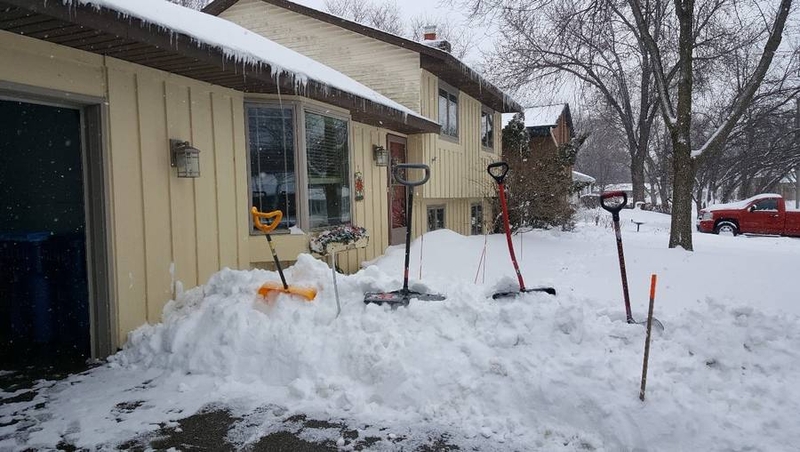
681,228
797,188
637,177
683,164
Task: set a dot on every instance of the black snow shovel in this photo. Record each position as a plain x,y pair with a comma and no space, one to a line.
403,296
614,201
498,172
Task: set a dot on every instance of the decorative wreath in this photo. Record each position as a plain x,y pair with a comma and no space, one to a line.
341,235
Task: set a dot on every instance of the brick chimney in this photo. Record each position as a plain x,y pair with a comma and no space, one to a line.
429,33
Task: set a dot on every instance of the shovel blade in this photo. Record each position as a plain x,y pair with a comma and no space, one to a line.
657,325
400,298
270,288
512,294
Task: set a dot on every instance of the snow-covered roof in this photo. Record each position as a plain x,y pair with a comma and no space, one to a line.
542,116
546,115
580,177
443,64
241,44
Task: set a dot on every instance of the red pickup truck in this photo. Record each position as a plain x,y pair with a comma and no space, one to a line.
761,214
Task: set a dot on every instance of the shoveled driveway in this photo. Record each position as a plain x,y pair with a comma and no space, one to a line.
209,429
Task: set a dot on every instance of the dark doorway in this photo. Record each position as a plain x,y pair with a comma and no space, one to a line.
398,196
44,292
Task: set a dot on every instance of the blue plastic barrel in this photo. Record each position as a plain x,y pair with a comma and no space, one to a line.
30,303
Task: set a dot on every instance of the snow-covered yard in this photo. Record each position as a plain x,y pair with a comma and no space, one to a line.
533,373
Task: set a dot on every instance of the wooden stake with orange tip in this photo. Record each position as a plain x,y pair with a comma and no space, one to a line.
647,337
272,287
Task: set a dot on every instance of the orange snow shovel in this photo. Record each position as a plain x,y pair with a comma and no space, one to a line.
273,287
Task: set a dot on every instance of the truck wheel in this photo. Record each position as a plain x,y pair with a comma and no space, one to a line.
726,227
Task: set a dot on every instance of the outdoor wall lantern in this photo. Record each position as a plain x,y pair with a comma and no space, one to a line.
381,155
185,158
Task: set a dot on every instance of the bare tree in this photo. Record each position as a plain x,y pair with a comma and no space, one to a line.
384,16
760,151
684,47
706,33
551,43
603,155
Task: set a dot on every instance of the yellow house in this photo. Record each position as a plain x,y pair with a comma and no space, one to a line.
420,76
105,211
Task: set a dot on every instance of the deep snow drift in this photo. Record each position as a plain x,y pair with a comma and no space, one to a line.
536,372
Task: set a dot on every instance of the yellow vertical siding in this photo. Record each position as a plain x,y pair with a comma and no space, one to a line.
388,69
205,199
458,166
201,225
160,220
227,238
155,183
127,202
42,64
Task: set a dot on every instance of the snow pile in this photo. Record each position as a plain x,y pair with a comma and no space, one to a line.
536,372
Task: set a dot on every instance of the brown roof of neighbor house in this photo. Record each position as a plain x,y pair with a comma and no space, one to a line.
104,31
442,64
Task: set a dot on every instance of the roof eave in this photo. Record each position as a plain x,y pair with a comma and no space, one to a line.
438,62
181,54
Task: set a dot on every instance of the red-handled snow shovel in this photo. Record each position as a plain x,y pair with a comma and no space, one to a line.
614,201
498,172
403,296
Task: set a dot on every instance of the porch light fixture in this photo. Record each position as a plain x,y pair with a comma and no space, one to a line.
381,155
185,158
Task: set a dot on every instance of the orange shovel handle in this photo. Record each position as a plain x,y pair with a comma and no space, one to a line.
275,216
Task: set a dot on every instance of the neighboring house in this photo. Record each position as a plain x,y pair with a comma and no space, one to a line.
649,192
548,126
418,75
584,184
103,229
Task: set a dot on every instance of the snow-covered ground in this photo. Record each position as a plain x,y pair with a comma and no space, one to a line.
532,373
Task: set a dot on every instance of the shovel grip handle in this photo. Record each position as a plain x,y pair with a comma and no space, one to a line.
502,175
613,194
275,216
407,183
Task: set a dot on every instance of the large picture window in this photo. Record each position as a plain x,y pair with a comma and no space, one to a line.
272,161
448,112
328,170
487,129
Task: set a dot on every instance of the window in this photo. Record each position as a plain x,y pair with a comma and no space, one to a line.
448,111
766,204
328,170
435,218
476,219
277,179
487,129
272,169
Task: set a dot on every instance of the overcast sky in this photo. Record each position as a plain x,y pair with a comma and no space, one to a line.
410,8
